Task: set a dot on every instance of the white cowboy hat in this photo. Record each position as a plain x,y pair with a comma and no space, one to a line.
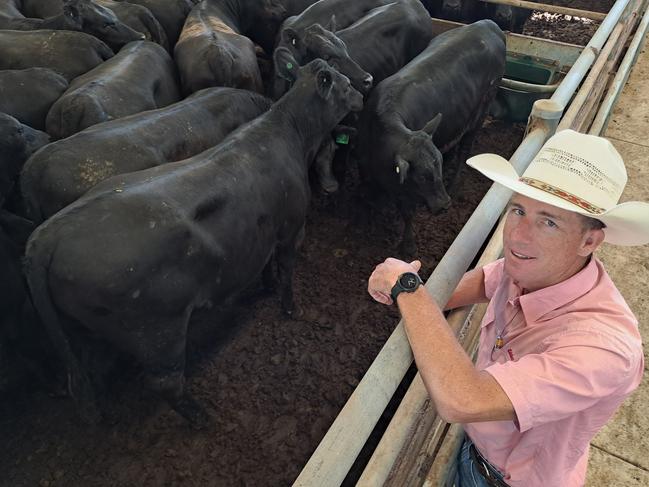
580,173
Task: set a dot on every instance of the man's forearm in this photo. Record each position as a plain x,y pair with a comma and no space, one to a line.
460,392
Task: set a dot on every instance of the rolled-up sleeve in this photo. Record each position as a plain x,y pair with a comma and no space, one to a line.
577,369
493,274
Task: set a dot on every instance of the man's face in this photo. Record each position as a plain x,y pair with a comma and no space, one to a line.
543,244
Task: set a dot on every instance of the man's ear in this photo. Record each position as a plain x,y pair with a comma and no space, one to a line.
285,64
593,238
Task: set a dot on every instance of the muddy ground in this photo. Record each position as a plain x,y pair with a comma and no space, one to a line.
272,385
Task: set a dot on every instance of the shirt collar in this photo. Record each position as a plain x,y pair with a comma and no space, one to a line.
540,302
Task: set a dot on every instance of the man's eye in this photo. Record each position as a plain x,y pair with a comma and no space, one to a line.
518,211
550,223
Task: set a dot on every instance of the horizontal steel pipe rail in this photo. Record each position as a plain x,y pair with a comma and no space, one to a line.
601,120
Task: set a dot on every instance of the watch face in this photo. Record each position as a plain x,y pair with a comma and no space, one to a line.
409,280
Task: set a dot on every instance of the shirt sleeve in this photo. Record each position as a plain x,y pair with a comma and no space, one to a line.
493,274
577,370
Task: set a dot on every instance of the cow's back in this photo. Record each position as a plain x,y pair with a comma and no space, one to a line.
388,37
28,94
452,76
68,53
140,77
66,169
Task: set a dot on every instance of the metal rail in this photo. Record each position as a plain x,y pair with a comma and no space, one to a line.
336,453
601,120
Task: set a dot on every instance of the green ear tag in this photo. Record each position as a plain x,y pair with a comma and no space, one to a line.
342,139
289,65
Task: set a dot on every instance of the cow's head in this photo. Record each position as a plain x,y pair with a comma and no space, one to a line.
100,22
321,42
331,86
462,10
502,15
418,167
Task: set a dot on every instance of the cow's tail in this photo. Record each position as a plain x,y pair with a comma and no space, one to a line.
38,256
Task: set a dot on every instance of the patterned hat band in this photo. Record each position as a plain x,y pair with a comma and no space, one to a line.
564,195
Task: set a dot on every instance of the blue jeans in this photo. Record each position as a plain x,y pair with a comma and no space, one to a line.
467,473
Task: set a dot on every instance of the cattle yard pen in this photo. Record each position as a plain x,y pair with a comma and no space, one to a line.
418,448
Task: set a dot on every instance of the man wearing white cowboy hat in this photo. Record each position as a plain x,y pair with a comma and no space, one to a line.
559,348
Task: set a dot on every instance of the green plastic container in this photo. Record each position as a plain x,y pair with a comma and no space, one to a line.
515,105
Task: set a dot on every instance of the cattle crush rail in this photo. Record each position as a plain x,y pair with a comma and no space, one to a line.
418,448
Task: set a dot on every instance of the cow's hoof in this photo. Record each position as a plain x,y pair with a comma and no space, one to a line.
193,412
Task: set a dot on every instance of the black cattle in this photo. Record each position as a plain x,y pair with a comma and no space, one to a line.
140,19
140,77
59,174
40,8
28,94
507,17
82,16
17,143
170,13
310,35
381,43
133,258
68,53
401,139
214,51
387,38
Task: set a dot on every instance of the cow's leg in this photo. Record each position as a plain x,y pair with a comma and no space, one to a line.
286,254
408,245
323,164
268,275
163,358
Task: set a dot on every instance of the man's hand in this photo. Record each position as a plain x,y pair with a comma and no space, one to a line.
385,276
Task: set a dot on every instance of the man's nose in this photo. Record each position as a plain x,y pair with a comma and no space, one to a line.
521,231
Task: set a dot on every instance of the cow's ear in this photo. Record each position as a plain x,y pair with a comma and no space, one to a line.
331,26
285,64
324,83
290,37
401,168
431,127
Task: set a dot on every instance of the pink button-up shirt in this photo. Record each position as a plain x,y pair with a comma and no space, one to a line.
571,355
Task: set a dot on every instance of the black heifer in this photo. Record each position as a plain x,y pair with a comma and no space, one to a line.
28,94
17,143
132,258
401,140
68,53
66,169
310,35
170,13
213,50
83,16
142,76
138,18
506,16
388,37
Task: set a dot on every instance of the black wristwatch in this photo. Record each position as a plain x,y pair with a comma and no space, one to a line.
408,282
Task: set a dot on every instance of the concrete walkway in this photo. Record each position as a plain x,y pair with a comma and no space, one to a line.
620,453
